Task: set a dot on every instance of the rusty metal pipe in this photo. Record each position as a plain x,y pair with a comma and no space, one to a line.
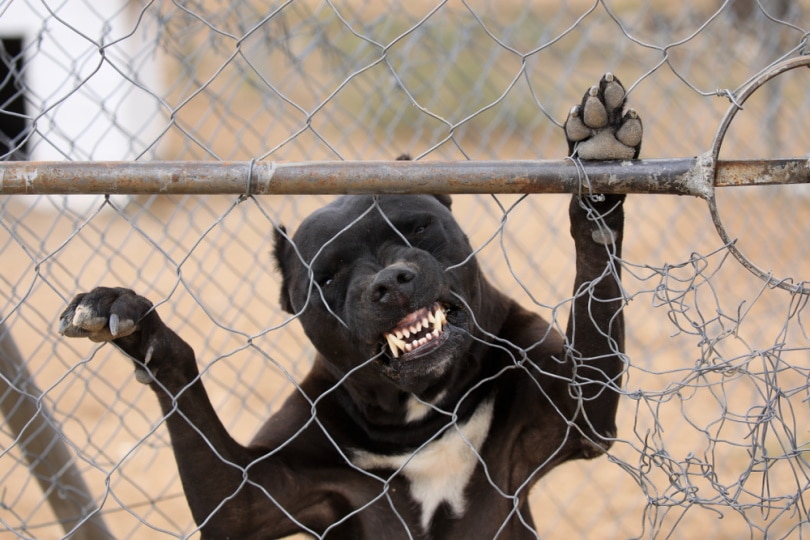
681,176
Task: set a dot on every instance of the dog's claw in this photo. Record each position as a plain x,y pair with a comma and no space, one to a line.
63,326
85,319
114,320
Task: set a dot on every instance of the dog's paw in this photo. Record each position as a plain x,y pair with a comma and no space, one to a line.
117,315
103,314
599,128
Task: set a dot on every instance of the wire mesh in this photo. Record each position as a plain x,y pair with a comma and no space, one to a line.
712,436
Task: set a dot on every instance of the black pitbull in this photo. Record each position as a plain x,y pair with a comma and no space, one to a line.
435,402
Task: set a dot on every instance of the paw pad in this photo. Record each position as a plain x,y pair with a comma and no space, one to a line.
613,92
598,128
595,114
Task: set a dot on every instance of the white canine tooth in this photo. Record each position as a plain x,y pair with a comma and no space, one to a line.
396,345
431,318
391,346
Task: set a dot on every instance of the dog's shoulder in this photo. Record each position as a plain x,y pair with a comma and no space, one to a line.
527,330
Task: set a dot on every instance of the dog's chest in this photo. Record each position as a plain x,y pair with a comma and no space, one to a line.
441,469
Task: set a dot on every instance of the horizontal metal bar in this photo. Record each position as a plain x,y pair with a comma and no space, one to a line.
683,176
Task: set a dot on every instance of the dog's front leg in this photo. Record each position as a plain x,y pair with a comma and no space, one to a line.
598,129
212,465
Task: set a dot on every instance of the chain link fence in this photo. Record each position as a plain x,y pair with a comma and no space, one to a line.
713,438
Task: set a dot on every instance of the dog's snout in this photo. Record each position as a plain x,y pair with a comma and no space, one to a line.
393,284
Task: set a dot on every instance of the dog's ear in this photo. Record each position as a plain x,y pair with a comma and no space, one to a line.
282,252
445,199
442,198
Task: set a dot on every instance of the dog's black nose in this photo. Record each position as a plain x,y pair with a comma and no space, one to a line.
393,284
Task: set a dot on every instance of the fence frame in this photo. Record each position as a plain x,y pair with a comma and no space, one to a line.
680,176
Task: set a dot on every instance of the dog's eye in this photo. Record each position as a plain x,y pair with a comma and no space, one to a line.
330,277
329,271
420,228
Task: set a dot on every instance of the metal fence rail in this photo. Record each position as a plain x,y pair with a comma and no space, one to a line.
653,176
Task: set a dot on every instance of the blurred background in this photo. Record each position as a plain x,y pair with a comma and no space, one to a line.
713,437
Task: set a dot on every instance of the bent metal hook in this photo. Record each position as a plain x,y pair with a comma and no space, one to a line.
777,69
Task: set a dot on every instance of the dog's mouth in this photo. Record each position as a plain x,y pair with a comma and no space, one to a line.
417,333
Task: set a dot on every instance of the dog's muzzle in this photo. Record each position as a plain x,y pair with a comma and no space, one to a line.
418,331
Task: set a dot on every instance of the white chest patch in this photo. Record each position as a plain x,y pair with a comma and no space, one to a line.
416,410
440,470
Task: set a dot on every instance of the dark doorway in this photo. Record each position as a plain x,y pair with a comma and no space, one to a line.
13,122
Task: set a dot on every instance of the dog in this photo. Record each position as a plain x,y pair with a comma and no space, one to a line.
435,401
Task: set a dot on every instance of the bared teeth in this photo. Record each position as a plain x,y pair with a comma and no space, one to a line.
398,341
395,343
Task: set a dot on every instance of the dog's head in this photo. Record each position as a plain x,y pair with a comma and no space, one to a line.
389,281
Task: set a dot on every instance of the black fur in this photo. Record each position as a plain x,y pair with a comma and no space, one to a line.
352,271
